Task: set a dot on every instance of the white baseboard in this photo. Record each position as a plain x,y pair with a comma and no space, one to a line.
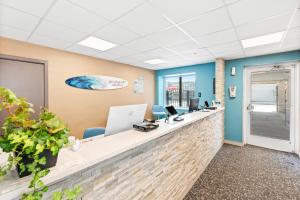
240,144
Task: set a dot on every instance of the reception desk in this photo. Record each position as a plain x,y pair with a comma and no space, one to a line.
161,164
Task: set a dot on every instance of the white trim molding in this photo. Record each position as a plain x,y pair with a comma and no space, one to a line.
290,146
240,144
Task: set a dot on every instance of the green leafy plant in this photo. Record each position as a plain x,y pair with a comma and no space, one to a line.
23,136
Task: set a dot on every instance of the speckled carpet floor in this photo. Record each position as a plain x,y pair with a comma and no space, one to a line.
249,172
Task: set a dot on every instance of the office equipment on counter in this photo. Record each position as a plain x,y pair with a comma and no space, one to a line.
122,118
178,119
145,126
172,111
194,104
213,103
206,104
209,107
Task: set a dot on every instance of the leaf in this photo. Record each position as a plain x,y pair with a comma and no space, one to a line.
30,167
57,196
71,194
28,143
42,161
43,173
15,139
22,167
39,184
39,148
54,150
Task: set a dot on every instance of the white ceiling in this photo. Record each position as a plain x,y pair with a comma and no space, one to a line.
181,32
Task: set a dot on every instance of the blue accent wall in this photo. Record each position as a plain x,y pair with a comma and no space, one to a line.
204,80
234,107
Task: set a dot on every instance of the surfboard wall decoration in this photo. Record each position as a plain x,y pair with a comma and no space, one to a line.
96,82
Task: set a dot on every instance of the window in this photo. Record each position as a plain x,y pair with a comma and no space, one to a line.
179,89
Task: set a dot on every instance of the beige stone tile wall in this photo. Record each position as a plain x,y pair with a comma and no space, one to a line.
164,168
220,80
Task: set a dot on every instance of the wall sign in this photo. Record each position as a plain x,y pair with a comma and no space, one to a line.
139,85
94,82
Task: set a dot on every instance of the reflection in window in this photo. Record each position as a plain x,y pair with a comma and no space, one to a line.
264,97
179,89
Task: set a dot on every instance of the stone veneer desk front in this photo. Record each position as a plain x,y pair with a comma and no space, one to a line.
161,164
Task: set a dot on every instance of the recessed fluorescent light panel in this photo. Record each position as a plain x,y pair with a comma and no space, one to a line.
263,40
97,43
155,61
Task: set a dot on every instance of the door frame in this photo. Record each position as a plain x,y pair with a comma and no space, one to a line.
294,134
36,61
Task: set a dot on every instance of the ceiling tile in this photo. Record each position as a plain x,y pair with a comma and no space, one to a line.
234,56
116,34
199,54
249,10
141,45
217,38
262,50
229,54
121,51
83,50
13,33
141,57
160,52
197,61
107,56
144,65
130,59
231,1
59,32
289,45
296,20
34,7
17,19
293,34
48,41
208,23
233,46
166,37
272,25
184,47
144,20
110,9
72,16
179,10
173,58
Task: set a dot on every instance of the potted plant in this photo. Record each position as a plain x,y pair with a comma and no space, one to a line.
32,144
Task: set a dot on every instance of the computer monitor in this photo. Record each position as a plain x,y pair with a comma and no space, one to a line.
194,104
171,110
206,104
122,118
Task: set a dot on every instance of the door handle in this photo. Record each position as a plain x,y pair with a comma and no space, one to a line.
250,107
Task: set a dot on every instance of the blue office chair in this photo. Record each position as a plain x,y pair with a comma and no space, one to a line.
91,132
158,111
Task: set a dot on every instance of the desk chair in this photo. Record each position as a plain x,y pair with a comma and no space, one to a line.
91,132
157,111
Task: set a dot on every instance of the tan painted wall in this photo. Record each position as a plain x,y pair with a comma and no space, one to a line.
83,108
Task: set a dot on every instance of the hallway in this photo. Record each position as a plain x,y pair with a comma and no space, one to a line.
249,172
